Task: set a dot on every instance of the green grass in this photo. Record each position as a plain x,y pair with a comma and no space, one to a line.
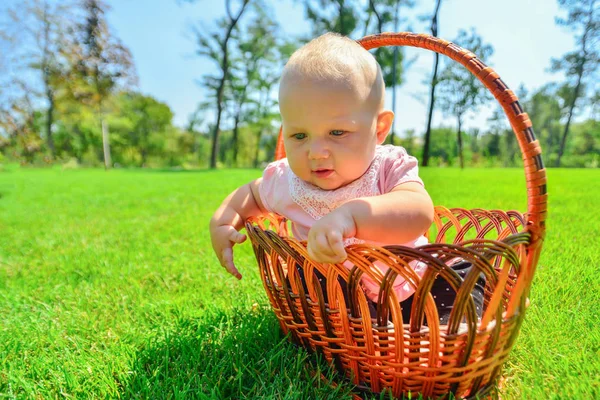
109,288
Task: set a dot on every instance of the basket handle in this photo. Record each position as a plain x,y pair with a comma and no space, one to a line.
535,173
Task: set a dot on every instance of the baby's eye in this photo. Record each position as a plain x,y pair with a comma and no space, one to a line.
299,136
337,132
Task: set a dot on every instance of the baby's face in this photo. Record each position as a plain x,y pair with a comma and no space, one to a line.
329,131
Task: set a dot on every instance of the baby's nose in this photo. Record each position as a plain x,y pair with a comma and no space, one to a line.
318,151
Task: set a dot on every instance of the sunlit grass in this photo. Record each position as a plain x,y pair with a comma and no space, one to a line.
108,288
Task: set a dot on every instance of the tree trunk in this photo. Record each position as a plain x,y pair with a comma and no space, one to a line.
563,141
368,22
434,82
79,153
434,32
549,140
106,144
50,121
45,67
460,146
144,147
225,69
235,138
373,10
581,68
260,132
215,137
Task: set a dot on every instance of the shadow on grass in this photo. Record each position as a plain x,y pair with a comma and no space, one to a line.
226,355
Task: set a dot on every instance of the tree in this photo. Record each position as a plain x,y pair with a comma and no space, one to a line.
103,65
390,59
595,102
341,16
585,146
581,65
265,114
544,110
20,124
503,137
77,132
434,82
460,91
216,47
144,116
36,32
192,127
443,146
256,60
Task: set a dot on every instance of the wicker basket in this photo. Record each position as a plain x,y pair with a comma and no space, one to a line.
382,352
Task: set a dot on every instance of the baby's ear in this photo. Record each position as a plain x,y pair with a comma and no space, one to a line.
384,123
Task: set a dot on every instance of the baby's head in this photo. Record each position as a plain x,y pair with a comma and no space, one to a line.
331,98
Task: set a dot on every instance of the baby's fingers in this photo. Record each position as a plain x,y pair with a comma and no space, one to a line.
236,237
227,262
336,243
320,250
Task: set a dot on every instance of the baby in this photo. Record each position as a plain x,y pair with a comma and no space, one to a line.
338,184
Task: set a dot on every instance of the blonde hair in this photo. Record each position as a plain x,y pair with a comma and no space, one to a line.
335,58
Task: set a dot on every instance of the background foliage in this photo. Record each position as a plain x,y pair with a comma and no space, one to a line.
75,100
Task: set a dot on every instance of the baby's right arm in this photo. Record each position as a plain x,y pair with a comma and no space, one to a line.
229,218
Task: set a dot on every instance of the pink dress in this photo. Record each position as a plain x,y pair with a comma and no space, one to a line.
283,193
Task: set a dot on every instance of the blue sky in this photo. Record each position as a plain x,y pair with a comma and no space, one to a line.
523,33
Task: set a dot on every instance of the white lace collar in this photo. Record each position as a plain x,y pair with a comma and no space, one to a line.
318,202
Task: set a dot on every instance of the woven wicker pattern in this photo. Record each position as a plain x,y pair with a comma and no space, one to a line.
384,352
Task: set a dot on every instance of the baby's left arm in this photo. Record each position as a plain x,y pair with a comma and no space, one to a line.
399,216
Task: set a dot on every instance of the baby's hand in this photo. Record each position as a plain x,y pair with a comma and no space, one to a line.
223,239
326,237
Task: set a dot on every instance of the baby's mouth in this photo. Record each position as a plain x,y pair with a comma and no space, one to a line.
322,172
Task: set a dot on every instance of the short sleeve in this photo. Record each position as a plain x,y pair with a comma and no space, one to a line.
398,167
274,175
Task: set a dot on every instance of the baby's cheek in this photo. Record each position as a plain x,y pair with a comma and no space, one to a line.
297,167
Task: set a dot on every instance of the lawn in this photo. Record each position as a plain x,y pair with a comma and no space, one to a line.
109,289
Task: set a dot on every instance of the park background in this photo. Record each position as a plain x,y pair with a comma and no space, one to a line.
109,176
89,83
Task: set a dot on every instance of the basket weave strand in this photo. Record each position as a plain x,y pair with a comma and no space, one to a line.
383,352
